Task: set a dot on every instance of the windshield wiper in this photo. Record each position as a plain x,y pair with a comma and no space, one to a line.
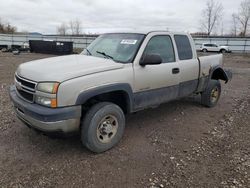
104,54
88,51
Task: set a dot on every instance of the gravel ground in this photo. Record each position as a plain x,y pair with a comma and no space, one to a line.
179,144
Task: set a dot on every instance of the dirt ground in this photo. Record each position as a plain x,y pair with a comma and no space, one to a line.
179,144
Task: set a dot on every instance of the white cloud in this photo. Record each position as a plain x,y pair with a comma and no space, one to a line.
100,15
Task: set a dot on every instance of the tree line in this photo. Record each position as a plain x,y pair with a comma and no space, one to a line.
212,17
73,27
6,28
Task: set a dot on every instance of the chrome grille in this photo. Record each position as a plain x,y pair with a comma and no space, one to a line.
25,88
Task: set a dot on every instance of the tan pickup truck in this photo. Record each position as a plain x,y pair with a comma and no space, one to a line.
117,74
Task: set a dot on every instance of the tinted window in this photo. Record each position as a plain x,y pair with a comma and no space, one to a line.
161,45
183,47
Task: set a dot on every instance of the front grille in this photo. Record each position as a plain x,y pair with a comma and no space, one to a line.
26,83
25,88
26,95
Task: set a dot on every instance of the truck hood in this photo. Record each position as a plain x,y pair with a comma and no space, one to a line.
63,68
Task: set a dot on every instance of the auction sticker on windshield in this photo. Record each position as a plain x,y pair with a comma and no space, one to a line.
128,41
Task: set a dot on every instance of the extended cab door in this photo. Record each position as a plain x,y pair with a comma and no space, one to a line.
188,64
155,84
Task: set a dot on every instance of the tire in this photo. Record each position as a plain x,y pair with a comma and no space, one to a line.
204,50
102,127
4,50
223,51
211,95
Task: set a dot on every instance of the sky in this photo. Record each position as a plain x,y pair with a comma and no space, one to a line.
98,16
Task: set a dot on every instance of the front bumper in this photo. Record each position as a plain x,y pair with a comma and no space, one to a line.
65,120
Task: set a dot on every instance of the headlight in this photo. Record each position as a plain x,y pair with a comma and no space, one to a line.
48,87
49,99
46,101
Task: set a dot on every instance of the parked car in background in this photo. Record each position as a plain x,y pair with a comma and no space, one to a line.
15,47
208,47
3,48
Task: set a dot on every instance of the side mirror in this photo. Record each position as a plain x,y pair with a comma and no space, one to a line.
151,59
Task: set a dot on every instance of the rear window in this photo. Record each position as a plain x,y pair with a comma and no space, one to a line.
183,46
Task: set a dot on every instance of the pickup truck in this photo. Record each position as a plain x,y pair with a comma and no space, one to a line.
117,74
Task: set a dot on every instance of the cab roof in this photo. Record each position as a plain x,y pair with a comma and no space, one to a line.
146,32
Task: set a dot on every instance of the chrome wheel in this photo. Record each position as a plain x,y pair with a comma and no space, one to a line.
214,95
107,129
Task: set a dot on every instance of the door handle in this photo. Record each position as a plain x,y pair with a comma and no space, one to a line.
175,70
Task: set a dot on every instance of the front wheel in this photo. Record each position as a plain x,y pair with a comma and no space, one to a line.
204,50
102,127
223,51
211,95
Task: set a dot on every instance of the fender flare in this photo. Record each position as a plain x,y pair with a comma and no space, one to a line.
124,87
218,72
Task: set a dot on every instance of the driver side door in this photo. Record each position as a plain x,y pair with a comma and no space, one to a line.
155,84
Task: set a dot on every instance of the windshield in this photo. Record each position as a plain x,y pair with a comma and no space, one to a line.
121,47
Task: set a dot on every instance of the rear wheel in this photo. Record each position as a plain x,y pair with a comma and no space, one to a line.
211,95
223,51
204,50
102,127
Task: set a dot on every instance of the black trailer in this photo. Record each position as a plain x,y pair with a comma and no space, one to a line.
51,47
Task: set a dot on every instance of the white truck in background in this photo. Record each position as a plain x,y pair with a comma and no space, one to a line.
117,74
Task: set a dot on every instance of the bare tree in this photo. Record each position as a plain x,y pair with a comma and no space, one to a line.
234,24
62,29
10,29
75,27
7,28
211,16
1,26
244,16
222,29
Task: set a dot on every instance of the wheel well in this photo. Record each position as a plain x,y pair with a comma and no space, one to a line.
219,74
119,98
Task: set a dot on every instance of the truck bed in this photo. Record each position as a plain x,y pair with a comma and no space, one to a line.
206,62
